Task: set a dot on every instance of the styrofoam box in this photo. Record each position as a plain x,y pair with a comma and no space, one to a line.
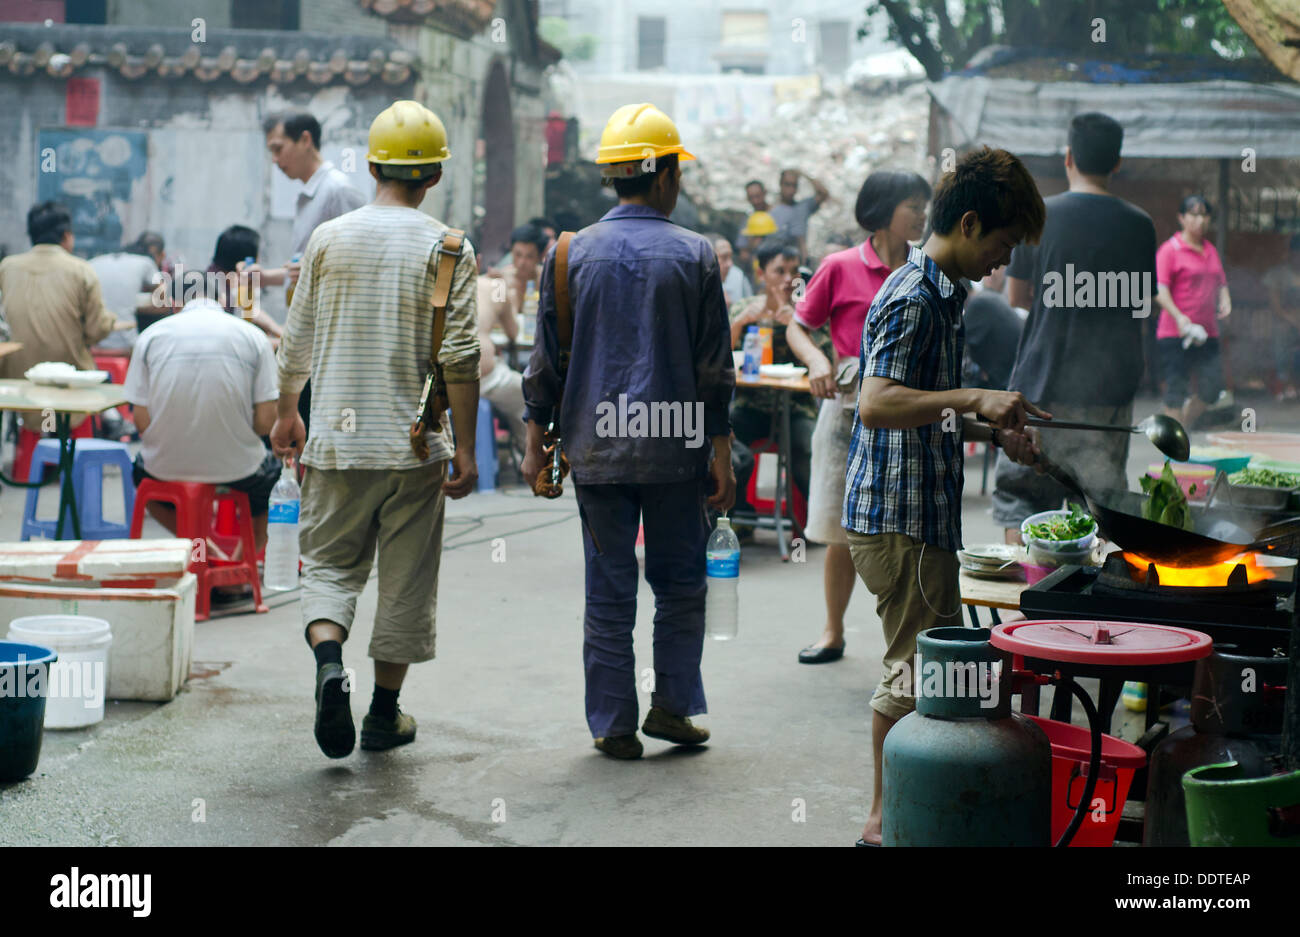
131,564
153,629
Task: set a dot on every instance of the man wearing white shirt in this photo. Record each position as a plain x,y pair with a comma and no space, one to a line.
204,387
293,140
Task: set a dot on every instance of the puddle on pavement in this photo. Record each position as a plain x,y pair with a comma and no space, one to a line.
202,669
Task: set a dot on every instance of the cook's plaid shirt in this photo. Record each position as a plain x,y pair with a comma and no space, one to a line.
909,481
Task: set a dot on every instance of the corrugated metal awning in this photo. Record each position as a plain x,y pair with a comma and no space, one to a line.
1193,120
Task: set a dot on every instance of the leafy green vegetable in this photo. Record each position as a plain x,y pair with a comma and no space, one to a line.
1073,526
1166,503
1265,478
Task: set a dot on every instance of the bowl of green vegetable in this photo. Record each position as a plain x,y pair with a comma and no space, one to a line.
1263,487
1071,532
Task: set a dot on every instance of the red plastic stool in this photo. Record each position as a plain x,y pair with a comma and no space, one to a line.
27,441
225,532
767,505
194,521
116,365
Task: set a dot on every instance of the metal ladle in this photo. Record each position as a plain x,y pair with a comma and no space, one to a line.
1165,433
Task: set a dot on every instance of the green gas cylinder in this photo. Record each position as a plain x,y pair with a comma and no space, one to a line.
963,770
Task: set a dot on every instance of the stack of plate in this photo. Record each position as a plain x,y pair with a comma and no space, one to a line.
62,374
992,561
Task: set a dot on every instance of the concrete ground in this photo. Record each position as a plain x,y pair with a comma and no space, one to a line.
503,755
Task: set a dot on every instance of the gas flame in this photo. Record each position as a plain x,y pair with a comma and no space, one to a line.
1215,575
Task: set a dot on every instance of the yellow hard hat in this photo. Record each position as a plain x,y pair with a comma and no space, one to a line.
408,141
635,132
760,224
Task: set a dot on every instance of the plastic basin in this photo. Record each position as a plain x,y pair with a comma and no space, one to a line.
1226,809
24,678
77,683
1071,748
1080,545
1034,573
1198,473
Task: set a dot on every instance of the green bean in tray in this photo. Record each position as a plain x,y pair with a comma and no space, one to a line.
1073,526
1265,478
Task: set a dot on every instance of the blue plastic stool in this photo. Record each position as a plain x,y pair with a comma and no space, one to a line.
88,482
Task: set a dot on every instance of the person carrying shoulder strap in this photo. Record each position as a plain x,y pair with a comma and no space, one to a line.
641,398
384,282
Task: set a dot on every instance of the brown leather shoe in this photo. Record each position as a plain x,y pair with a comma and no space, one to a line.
626,747
660,724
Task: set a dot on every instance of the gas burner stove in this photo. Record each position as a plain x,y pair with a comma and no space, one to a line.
1235,611
1244,583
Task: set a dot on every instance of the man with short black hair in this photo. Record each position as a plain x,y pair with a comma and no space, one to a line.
293,140
903,488
1080,353
501,295
205,382
52,300
792,217
547,227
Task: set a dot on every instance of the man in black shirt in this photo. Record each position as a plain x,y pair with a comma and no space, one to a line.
992,332
1089,285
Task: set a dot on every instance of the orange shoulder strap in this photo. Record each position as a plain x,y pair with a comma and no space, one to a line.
448,254
563,310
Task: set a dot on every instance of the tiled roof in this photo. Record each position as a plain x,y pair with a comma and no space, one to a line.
243,55
470,16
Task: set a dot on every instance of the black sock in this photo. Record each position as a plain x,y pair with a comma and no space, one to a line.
384,703
328,652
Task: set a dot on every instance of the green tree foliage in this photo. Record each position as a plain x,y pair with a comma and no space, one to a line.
579,47
943,35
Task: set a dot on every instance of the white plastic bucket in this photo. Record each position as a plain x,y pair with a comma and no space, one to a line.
80,676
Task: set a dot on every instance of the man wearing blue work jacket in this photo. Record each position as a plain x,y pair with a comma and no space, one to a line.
643,411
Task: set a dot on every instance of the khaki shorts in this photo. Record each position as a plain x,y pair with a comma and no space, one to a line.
346,514
887,564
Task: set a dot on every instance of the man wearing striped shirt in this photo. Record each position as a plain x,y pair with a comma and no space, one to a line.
902,504
361,328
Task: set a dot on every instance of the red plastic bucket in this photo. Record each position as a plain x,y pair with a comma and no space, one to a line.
1071,747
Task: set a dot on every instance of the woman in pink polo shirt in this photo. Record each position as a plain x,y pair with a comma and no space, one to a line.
1193,295
891,206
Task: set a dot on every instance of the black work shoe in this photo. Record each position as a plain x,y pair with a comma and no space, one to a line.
335,733
821,655
379,734
676,729
626,747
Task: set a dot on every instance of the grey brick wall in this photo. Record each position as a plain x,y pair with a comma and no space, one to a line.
339,16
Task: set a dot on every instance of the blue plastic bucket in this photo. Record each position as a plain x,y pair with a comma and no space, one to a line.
24,684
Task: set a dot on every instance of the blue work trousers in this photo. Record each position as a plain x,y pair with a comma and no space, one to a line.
676,530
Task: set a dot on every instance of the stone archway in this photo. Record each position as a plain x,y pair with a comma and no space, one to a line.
498,136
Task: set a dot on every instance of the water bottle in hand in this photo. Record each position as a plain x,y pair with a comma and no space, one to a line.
280,570
753,350
721,605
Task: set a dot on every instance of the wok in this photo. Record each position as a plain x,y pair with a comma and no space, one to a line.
1219,534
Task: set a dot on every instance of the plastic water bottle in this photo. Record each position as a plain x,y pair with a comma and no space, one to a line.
280,570
721,605
529,311
246,293
753,351
288,292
